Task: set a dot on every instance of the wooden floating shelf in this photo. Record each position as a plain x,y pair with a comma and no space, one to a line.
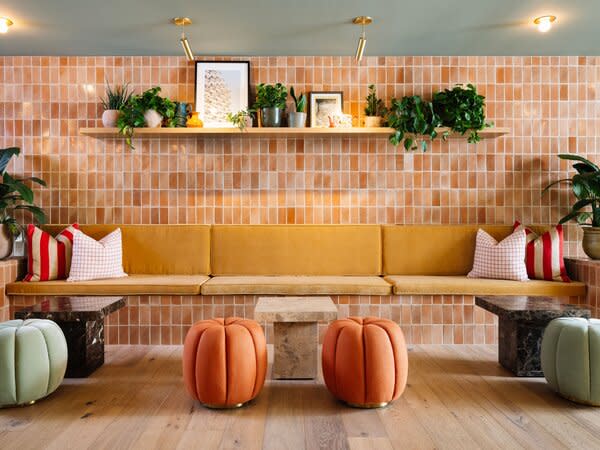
284,132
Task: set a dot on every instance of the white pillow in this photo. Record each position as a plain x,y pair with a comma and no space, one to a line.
94,260
503,260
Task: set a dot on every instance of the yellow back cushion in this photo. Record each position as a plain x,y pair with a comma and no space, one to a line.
157,249
434,249
296,250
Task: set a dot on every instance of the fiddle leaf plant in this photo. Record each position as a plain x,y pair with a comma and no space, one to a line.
300,101
270,96
132,113
462,109
410,117
585,185
375,105
15,195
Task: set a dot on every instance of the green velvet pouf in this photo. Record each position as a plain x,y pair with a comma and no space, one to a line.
571,359
33,360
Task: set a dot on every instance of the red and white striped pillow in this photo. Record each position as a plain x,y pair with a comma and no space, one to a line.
503,260
49,258
95,260
544,254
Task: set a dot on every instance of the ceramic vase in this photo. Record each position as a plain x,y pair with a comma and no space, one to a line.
591,242
153,119
194,121
109,118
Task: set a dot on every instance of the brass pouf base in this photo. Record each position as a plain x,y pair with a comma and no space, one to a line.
22,405
237,405
368,405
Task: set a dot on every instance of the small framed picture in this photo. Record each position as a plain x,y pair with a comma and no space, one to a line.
221,87
324,107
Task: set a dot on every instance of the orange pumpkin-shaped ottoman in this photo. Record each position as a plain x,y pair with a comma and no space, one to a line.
224,361
365,362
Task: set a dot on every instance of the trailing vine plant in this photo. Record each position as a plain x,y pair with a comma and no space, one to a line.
410,117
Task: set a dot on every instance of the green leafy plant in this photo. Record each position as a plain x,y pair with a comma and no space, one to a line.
299,101
239,118
375,105
132,112
270,96
116,97
410,117
461,109
585,185
15,195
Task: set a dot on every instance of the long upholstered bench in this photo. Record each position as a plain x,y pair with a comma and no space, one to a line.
296,260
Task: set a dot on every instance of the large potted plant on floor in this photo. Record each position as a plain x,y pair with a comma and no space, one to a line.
585,185
270,101
15,195
146,110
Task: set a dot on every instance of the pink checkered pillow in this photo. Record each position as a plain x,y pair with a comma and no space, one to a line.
503,260
94,260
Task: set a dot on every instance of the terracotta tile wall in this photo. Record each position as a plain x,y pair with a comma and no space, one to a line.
8,274
549,103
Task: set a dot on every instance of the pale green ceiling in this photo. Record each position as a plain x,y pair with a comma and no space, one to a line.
299,27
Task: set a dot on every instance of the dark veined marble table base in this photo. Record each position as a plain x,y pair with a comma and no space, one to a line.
521,324
82,321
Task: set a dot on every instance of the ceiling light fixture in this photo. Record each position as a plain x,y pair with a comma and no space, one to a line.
362,40
182,22
5,22
544,23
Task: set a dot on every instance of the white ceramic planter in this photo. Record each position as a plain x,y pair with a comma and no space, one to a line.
372,121
109,118
153,119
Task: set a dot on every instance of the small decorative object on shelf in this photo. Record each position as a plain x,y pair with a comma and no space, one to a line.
194,121
340,121
585,185
146,110
462,109
182,113
324,105
270,101
241,119
412,117
14,195
375,109
297,118
113,102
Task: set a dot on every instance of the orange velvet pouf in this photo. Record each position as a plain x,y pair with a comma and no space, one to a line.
365,362
224,361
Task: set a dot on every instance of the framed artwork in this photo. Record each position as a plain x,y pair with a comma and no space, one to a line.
221,87
323,106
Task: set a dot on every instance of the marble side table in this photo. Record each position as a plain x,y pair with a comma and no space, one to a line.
521,324
295,323
82,321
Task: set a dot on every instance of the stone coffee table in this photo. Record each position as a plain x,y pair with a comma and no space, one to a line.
82,321
522,321
295,323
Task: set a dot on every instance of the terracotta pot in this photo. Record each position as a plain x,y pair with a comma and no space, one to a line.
109,118
6,242
372,121
153,119
591,242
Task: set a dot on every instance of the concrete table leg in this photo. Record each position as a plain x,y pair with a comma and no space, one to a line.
296,350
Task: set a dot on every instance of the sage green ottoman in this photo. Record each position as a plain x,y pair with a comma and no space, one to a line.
33,360
571,358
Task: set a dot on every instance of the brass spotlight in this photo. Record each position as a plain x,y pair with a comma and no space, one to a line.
182,22
362,40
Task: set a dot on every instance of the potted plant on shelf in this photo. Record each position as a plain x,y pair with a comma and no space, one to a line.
412,117
15,195
146,110
585,185
270,100
297,118
242,119
461,109
113,102
375,109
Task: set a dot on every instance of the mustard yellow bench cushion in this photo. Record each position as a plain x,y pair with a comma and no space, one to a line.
434,249
157,249
131,285
296,250
296,285
461,285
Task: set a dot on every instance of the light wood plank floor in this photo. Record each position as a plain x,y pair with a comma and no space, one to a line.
458,397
